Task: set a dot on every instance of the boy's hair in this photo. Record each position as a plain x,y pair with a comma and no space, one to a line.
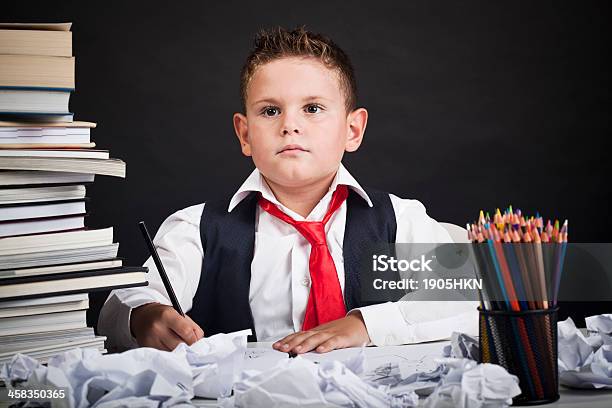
278,42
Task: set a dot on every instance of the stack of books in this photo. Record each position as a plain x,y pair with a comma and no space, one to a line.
49,260
44,327
36,70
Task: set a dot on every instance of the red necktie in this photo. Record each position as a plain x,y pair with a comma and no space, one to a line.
325,302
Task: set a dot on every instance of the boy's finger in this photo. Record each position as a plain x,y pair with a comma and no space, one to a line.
291,337
295,340
196,328
328,345
183,329
312,342
199,332
277,345
283,344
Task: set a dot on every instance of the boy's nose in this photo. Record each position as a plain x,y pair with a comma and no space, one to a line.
287,131
291,125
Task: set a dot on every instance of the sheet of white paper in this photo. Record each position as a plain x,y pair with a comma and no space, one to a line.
417,357
585,362
468,384
599,324
574,350
289,382
301,381
463,346
144,376
216,362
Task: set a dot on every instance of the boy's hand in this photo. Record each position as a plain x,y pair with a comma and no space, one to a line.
350,331
162,327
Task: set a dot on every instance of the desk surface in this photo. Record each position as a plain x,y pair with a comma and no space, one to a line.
583,398
570,398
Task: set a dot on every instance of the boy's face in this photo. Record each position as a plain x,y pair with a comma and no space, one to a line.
296,126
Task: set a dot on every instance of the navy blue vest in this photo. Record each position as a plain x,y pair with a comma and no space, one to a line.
221,302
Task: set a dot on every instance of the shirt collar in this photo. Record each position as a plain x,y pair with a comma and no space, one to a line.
256,183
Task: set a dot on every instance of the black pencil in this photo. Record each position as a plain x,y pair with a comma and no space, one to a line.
160,268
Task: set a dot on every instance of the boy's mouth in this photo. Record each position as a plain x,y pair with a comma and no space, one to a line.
292,148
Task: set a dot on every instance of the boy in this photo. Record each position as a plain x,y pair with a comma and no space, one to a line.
280,256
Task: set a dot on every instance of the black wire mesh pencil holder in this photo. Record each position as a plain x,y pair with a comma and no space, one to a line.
525,344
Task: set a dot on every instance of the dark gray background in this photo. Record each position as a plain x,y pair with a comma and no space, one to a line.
472,104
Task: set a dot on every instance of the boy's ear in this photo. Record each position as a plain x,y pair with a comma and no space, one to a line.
357,121
241,129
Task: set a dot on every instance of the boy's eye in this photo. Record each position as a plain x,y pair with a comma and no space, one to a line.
270,111
313,108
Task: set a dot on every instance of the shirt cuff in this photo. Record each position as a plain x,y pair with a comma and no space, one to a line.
384,323
387,326
114,322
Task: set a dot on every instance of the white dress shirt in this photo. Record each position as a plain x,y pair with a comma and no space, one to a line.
280,279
